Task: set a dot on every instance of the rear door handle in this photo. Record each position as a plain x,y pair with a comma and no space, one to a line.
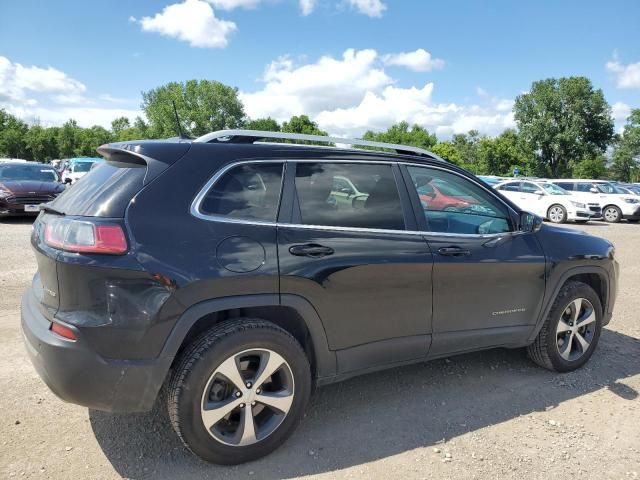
310,250
453,252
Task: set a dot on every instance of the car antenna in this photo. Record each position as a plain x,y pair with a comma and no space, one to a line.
175,112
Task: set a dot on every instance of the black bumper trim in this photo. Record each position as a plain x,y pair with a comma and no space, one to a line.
79,375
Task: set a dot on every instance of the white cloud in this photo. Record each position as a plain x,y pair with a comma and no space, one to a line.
192,21
627,76
352,94
419,60
312,88
52,97
371,8
620,112
482,92
233,4
18,81
307,6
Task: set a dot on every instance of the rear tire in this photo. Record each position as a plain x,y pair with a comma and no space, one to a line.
249,380
557,214
611,214
571,330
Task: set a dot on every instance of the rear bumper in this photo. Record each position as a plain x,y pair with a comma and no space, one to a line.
631,211
78,375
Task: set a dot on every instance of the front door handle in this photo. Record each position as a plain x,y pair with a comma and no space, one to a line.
310,250
453,252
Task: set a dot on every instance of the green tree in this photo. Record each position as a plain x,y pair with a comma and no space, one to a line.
302,124
447,151
563,121
42,143
401,134
265,124
626,154
500,155
203,106
593,167
68,139
467,145
12,136
90,139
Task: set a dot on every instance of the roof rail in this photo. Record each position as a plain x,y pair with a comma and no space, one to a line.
252,136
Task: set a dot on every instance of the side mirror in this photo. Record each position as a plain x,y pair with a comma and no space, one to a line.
529,222
540,193
593,190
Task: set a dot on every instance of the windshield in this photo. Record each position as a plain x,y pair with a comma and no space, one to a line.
609,188
82,167
38,173
552,189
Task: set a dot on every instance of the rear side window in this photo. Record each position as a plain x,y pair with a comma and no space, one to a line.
248,192
566,185
105,191
584,187
348,195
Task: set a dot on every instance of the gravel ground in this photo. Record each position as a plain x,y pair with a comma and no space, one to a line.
485,415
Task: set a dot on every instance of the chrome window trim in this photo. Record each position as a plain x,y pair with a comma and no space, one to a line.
195,204
197,201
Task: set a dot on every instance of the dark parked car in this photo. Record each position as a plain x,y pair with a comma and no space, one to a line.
225,268
25,185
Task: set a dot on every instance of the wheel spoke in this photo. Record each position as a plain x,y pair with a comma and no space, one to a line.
566,347
230,369
577,306
247,427
212,416
582,341
562,326
271,366
280,401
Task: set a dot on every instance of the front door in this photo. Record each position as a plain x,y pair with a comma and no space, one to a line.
488,279
366,275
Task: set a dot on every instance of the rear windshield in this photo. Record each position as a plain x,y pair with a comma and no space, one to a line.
103,192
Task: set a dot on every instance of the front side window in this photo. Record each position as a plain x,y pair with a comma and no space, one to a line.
348,195
528,187
584,187
248,192
553,189
456,205
565,185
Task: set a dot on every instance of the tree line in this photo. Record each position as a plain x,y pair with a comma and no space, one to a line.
564,129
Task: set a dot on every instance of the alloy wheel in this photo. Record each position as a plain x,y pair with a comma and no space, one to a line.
556,214
611,214
247,397
576,329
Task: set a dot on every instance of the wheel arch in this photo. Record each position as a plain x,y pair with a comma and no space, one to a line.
290,312
594,276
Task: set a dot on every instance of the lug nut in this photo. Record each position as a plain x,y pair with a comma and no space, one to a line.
258,391
253,404
242,405
238,394
248,384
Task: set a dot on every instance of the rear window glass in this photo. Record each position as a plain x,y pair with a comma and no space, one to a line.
105,191
250,191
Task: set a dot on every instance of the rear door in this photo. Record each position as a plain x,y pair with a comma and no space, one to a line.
488,279
360,263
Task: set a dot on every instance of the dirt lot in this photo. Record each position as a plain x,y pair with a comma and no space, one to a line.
486,415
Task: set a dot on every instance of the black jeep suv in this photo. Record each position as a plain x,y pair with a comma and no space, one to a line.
241,274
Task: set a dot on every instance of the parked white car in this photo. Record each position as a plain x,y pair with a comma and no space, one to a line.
76,168
546,200
615,204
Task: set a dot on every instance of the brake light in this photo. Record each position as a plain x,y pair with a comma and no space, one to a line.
84,237
62,331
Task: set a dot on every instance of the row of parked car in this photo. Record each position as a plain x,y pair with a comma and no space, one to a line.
24,186
577,200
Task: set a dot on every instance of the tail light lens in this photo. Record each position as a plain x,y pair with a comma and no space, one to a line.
85,237
62,331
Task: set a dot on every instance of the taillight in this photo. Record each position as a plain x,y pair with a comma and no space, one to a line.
62,331
84,237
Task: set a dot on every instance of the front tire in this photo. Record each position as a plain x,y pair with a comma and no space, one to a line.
611,214
239,391
557,214
571,330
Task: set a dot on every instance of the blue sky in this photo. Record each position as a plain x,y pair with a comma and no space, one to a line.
349,64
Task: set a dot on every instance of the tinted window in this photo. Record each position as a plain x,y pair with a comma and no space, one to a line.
510,187
453,204
250,191
566,185
39,173
528,187
373,202
81,167
103,192
583,187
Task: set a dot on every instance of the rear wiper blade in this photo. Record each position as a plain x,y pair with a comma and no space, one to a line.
45,207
